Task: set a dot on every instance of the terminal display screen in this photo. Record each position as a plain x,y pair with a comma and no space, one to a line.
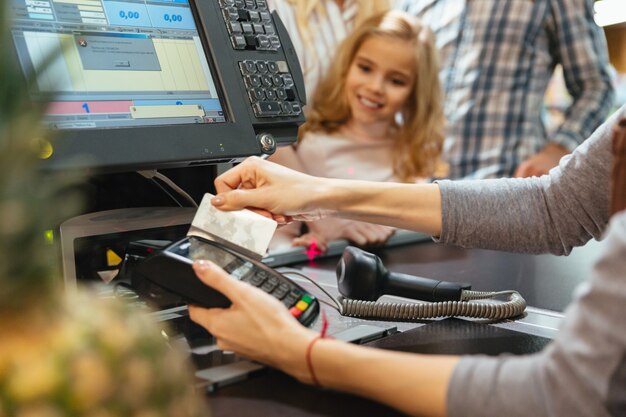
116,63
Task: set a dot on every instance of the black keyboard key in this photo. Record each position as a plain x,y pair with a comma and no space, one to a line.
266,80
277,79
252,81
247,28
247,67
261,67
250,41
274,41
256,94
238,41
290,300
296,293
258,28
263,42
286,107
272,67
281,291
281,94
288,80
257,280
291,94
234,27
230,14
269,286
267,108
254,16
270,94
265,17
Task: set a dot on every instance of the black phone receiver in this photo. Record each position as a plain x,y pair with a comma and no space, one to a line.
362,276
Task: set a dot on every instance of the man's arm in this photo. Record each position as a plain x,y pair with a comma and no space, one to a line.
580,47
552,213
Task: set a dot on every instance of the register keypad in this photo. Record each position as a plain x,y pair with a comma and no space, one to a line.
250,25
270,88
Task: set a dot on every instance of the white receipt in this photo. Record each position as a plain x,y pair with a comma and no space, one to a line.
241,229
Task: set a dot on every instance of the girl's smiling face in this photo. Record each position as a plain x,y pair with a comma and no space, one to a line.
379,82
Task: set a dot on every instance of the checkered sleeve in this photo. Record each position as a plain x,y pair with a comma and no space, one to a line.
580,46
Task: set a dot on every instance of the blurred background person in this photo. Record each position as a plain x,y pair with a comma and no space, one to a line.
497,58
316,28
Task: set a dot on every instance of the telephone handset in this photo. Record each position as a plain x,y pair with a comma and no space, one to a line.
171,269
362,278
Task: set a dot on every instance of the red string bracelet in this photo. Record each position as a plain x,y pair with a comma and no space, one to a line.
309,348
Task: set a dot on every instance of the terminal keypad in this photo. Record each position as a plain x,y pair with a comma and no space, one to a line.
270,87
292,296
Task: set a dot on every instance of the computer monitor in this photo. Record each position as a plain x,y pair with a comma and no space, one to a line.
144,84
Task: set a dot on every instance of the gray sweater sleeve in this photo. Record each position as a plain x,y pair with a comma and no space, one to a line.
552,213
582,373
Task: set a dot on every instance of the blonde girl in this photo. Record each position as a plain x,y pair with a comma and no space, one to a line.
377,116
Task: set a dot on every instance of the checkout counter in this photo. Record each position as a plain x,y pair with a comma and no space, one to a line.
547,283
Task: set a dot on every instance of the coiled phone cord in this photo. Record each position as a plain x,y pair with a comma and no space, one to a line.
467,307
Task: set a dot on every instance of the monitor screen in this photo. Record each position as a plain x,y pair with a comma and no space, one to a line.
121,63
145,84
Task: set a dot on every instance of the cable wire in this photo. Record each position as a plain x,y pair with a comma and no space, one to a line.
166,191
153,173
337,304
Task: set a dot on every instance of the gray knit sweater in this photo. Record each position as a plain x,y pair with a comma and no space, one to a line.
583,372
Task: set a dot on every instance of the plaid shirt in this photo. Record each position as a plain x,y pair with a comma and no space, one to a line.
497,57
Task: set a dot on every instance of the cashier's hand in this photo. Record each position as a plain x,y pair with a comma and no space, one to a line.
542,162
256,325
269,189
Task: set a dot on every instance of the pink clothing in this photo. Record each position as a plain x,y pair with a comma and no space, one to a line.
335,156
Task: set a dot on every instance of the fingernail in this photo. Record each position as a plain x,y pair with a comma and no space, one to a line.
218,200
202,265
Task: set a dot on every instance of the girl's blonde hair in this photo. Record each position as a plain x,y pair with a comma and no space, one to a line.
419,136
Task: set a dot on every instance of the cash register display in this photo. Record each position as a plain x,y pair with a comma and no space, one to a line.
117,63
